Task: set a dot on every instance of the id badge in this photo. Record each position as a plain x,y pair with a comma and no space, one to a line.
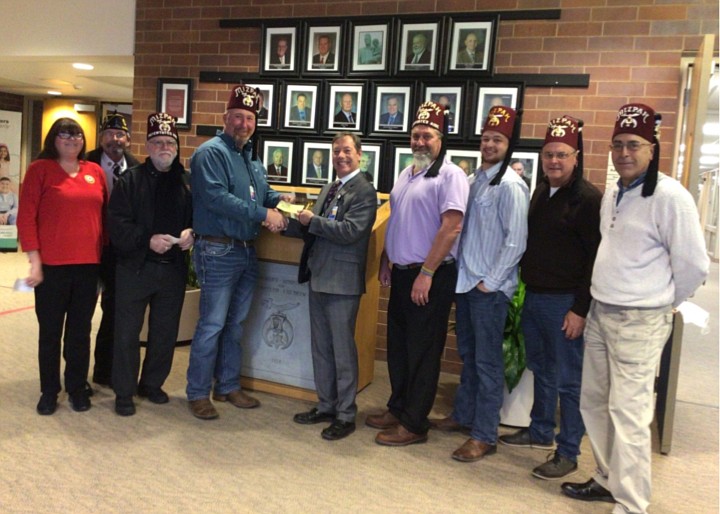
333,213
252,193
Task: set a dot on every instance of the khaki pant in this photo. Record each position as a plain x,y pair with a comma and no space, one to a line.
622,351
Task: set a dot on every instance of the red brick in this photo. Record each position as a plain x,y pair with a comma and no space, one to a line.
608,73
670,28
565,44
598,102
614,13
521,44
624,58
621,88
662,89
583,14
664,58
532,59
416,6
656,74
663,12
659,43
621,28
584,29
458,5
536,28
538,4
610,43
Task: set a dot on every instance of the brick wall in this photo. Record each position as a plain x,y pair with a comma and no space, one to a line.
630,48
10,102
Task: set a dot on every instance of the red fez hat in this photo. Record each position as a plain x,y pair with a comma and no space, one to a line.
244,97
161,124
501,119
565,129
114,121
638,119
431,114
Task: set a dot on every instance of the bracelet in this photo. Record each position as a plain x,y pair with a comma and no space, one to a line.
427,271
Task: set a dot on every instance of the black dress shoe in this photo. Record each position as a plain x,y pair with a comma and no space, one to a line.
338,430
154,394
124,406
313,416
589,491
80,399
47,404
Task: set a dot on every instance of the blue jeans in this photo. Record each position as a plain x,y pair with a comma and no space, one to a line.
480,325
227,275
556,363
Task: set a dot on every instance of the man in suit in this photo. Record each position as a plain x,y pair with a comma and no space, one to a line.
324,58
468,56
316,168
299,113
345,117
393,118
419,59
277,169
114,158
262,114
281,59
335,252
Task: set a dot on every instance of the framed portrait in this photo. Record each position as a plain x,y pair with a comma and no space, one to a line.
403,159
279,50
370,162
301,109
391,108
323,49
316,163
471,46
174,97
468,160
418,50
491,96
278,160
345,107
266,111
527,165
452,98
370,48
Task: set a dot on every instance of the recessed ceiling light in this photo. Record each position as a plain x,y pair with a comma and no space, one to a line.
56,93
83,66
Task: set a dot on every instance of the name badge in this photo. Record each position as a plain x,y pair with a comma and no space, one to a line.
252,193
333,213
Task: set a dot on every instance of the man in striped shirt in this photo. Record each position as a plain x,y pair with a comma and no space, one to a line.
491,245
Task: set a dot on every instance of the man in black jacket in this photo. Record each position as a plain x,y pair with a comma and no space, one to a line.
150,216
114,158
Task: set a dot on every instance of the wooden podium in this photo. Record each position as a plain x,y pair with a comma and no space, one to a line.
286,250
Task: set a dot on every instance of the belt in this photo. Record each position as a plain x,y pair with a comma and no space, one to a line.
227,240
419,264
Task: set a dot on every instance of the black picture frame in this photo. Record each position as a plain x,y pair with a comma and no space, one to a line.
174,97
315,34
483,30
401,159
371,161
266,116
281,173
488,95
311,105
451,95
272,39
532,169
336,97
472,158
383,95
419,49
376,60
307,161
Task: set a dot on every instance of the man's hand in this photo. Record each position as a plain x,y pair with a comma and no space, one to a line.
4,219
186,239
161,243
305,216
420,294
275,221
481,287
573,325
287,197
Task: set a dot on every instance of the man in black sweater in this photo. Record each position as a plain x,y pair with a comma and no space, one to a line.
563,237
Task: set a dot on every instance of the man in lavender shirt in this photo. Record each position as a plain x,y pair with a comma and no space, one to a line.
427,204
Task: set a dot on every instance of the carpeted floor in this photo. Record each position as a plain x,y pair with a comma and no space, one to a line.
259,461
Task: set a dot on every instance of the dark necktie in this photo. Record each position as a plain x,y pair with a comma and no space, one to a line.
116,173
331,194
350,118
302,115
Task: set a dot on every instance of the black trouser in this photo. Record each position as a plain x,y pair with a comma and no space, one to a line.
162,287
415,342
106,333
64,304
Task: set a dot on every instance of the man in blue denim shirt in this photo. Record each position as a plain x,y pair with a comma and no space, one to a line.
231,200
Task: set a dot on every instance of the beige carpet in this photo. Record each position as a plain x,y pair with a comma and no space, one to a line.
163,460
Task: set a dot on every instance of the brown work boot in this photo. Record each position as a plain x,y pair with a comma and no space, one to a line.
382,421
238,399
203,409
447,424
473,450
399,436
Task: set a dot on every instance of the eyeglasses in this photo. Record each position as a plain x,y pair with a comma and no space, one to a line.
632,146
560,156
162,144
67,135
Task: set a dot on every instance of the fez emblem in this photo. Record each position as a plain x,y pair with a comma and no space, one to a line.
89,179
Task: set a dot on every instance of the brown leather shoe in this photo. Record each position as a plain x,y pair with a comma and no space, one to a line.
399,436
382,421
238,399
203,409
473,450
447,424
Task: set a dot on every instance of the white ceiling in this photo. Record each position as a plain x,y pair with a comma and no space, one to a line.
41,39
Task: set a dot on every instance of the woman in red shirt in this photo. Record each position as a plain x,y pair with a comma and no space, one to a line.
60,226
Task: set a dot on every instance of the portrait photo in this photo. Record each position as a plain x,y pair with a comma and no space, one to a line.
369,48
266,104
370,162
526,165
301,106
317,163
323,49
470,48
490,97
467,160
451,98
403,159
418,47
277,157
279,52
391,109
345,107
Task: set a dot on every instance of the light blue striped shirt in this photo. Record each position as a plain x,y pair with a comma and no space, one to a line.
494,234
